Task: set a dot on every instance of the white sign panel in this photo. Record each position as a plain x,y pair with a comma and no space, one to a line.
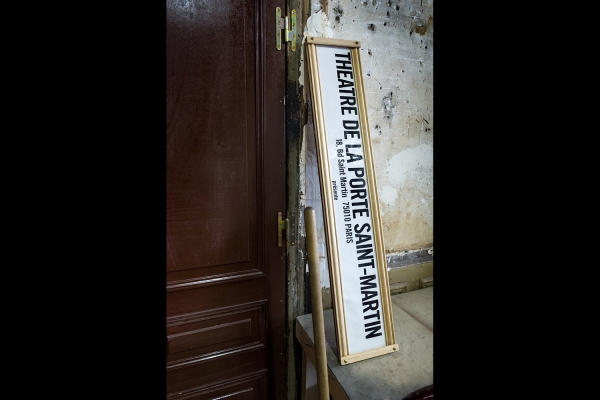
354,226
362,306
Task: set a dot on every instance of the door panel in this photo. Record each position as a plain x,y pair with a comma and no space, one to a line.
247,387
211,111
225,185
216,330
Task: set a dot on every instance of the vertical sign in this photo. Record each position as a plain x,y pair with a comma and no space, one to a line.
357,265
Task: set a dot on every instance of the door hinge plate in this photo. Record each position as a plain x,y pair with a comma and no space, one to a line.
289,225
284,24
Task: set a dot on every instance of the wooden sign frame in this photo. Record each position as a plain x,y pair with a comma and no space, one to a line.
362,309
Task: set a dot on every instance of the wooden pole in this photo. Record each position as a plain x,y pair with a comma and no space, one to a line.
317,303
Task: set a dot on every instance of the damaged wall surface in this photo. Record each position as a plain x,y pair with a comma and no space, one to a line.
397,60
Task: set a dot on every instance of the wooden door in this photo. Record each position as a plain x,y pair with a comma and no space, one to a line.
225,185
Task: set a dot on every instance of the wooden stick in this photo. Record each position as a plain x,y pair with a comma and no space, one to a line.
317,303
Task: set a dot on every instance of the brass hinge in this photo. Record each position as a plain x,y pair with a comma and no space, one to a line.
284,23
289,225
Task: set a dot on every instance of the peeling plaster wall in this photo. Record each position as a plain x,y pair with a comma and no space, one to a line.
397,59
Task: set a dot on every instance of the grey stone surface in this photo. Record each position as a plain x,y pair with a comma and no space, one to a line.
393,375
418,304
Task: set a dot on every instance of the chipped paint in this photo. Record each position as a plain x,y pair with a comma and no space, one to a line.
397,58
413,163
316,25
388,195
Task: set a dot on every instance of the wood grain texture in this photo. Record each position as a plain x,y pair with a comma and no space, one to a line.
213,280
210,335
215,331
332,42
246,387
226,181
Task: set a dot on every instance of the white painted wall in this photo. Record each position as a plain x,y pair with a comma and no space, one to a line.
397,59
